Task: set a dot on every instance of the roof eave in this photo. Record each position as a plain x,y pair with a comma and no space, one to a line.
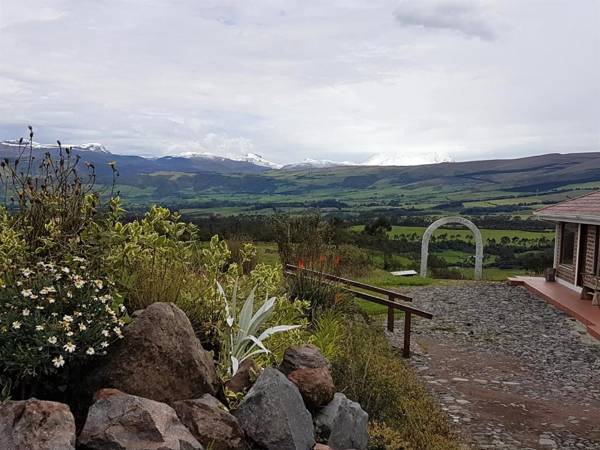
576,218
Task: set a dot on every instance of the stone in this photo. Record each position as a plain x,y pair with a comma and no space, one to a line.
210,423
322,447
244,377
159,358
36,425
315,385
124,421
302,357
342,424
273,415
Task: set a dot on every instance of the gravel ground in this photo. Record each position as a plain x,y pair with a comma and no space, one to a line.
512,371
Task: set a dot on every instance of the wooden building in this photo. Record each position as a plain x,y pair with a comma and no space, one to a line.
576,248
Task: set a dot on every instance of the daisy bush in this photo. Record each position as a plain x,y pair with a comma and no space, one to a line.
53,316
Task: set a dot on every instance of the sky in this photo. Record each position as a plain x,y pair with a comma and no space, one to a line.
404,81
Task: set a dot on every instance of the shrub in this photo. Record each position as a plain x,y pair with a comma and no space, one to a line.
328,334
53,316
384,437
246,331
351,260
320,293
370,372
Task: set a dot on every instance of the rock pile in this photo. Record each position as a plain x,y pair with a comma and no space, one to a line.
159,389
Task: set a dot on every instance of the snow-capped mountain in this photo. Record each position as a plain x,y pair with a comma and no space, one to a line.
259,161
91,147
316,164
404,159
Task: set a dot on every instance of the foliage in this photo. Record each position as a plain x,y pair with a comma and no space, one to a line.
305,238
243,340
328,334
320,293
12,244
54,316
370,372
384,437
53,201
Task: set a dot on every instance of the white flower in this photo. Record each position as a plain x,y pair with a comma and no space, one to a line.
19,284
16,324
39,307
26,272
98,284
66,270
104,344
25,312
51,300
58,361
39,327
69,347
78,259
26,293
47,290
69,294
90,351
82,327
69,333
67,318
105,333
52,340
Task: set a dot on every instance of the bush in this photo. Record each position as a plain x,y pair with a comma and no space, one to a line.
369,371
52,317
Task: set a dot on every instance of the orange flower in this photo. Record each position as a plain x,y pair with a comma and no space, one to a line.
322,259
338,260
301,264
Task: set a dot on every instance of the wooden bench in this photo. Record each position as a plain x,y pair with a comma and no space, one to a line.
391,300
591,285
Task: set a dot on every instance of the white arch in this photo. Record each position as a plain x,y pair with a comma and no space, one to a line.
446,220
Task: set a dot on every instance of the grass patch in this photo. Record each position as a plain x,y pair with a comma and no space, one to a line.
369,371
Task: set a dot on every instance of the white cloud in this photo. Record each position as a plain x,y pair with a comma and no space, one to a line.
293,80
467,17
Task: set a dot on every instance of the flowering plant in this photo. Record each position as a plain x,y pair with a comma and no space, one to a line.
52,315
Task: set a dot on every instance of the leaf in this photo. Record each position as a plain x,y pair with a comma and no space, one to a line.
277,329
246,313
235,365
262,315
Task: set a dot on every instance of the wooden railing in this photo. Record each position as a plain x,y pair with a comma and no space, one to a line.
390,301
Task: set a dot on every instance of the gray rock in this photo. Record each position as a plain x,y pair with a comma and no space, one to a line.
273,414
36,425
119,421
211,423
343,424
302,357
159,358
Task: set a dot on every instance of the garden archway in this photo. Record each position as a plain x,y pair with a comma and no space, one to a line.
444,221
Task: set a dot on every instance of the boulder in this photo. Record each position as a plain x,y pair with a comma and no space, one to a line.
321,447
210,423
315,385
36,425
121,421
159,358
302,357
273,415
342,424
244,377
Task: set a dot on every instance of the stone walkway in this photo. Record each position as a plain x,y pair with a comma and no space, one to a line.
512,371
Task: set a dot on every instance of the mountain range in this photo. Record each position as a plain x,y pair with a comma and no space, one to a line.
251,183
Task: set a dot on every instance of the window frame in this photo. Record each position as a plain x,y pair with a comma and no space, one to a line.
575,231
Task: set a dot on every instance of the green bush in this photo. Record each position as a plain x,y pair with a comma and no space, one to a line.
53,316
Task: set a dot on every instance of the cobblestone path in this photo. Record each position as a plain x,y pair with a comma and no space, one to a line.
511,371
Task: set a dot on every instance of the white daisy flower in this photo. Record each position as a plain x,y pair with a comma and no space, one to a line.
58,362
39,327
52,340
26,312
90,351
69,347
16,324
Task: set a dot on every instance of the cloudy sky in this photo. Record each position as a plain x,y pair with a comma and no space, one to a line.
407,81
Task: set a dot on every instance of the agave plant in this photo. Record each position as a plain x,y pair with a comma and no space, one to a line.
243,338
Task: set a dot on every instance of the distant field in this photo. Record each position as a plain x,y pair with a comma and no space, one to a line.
463,234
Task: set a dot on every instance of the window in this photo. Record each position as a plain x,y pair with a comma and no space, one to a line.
567,247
